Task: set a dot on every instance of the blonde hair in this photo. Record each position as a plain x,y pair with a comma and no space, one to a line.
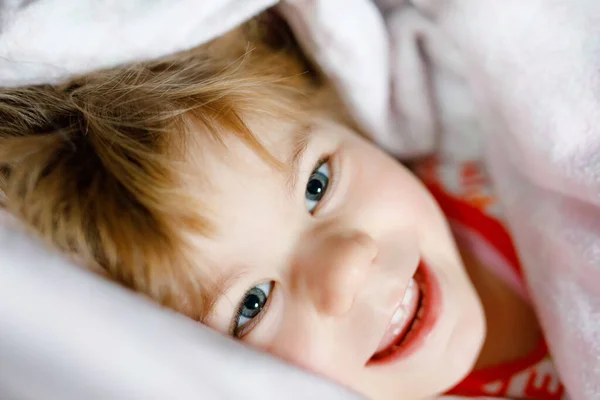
89,165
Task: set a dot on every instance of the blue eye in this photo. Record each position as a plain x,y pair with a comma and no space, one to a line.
252,308
316,187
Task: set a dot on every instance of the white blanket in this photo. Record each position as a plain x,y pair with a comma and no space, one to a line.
522,75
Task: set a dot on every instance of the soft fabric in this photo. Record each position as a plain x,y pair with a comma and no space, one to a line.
522,75
48,41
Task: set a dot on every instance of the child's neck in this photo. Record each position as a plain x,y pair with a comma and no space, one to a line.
512,327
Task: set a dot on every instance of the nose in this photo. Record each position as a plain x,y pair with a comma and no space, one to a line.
335,268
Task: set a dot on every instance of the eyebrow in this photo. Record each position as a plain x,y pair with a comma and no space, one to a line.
301,139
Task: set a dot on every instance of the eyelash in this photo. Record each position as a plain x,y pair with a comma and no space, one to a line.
325,159
250,325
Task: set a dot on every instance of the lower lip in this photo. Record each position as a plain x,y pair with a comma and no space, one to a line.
415,339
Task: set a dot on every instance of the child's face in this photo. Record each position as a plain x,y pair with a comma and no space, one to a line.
318,261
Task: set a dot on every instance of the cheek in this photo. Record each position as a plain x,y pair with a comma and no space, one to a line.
298,348
390,192
316,345
305,348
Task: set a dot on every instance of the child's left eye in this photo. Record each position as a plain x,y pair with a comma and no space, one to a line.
252,308
317,184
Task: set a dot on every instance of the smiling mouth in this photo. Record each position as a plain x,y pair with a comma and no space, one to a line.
414,317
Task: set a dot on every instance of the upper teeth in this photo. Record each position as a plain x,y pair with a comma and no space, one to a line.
406,300
398,315
408,295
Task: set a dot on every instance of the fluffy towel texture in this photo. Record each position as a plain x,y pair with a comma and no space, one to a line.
520,75
44,41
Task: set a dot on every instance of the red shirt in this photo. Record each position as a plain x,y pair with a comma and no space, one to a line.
462,190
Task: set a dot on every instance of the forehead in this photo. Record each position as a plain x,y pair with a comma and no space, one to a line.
230,174
262,143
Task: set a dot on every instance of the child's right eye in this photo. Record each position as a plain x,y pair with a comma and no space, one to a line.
252,308
317,185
